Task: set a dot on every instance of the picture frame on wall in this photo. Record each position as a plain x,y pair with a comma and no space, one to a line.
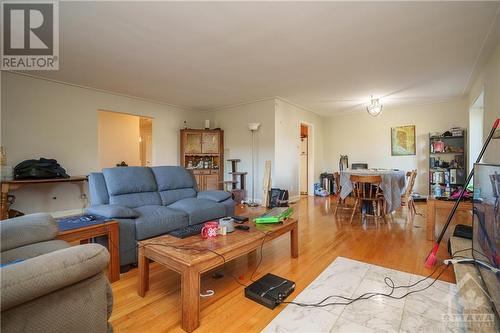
403,140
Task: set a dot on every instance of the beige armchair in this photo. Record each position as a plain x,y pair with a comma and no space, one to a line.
48,285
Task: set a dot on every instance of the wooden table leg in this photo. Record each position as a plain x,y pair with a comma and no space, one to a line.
4,202
431,219
143,285
114,252
294,240
190,299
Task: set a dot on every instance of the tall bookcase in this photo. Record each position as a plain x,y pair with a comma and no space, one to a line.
203,152
447,163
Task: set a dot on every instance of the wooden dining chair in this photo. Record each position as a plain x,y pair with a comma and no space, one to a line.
340,202
367,188
406,197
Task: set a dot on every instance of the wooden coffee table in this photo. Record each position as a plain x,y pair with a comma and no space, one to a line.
192,256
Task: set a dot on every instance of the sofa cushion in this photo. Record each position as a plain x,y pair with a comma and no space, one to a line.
32,250
27,229
229,205
214,195
200,210
97,189
172,177
112,211
171,196
157,220
123,180
133,200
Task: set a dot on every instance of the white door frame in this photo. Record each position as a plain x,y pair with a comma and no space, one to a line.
310,157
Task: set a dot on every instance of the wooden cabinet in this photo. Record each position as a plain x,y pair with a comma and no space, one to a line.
203,152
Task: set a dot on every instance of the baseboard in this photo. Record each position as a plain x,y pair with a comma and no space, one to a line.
294,199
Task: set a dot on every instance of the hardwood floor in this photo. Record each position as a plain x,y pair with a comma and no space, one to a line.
397,244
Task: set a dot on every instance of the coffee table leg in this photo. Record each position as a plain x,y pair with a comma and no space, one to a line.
190,298
143,264
294,239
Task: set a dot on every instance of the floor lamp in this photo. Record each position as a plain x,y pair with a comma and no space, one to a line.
253,127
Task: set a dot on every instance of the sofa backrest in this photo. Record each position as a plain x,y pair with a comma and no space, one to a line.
174,183
139,186
131,186
97,189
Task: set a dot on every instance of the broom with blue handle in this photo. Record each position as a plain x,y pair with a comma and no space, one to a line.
431,258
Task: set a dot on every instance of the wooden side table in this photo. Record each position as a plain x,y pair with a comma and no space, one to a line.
433,205
110,229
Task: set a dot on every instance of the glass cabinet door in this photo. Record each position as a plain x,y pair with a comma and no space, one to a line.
193,143
210,143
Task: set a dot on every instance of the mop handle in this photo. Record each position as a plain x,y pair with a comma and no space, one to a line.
471,173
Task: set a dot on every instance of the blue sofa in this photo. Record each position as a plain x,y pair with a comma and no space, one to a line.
148,202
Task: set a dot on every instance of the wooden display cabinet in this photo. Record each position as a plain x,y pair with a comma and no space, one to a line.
203,152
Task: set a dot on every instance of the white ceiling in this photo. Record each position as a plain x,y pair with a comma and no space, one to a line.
326,56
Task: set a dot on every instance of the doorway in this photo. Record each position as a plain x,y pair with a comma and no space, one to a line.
304,159
124,139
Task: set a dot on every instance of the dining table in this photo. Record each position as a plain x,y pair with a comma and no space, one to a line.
393,184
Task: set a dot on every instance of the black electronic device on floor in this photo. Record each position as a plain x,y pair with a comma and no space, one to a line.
270,290
190,230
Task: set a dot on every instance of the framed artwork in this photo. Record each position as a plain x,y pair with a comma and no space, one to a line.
403,140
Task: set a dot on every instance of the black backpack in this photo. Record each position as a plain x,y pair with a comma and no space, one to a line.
39,169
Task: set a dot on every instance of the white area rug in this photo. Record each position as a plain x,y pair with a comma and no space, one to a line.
425,311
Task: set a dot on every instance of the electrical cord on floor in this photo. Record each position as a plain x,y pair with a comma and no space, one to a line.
388,281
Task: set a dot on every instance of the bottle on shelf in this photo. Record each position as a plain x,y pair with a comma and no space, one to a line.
437,190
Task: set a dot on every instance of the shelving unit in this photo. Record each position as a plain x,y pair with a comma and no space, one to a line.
447,163
202,151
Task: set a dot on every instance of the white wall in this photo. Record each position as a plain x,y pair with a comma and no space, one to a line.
118,139
238,140
287,146
48,119
368,139
489,81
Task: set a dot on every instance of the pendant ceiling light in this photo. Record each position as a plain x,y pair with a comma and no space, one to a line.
374,108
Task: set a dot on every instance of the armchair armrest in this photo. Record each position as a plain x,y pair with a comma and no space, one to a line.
214,195
44,274
27,229
112,211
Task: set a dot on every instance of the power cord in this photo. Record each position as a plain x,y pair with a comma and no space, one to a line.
387,280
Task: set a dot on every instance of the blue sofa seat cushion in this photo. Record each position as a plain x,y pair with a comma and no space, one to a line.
170,196
112,211
214,195
155,220
200,210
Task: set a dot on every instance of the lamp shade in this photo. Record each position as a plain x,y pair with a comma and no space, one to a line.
253,126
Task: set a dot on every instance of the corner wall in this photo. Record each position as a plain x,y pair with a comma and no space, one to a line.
41,118
238,140
287,147
489,80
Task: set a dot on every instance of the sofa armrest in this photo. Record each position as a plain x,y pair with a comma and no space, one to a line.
214,195
112,211
27,229
44,274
